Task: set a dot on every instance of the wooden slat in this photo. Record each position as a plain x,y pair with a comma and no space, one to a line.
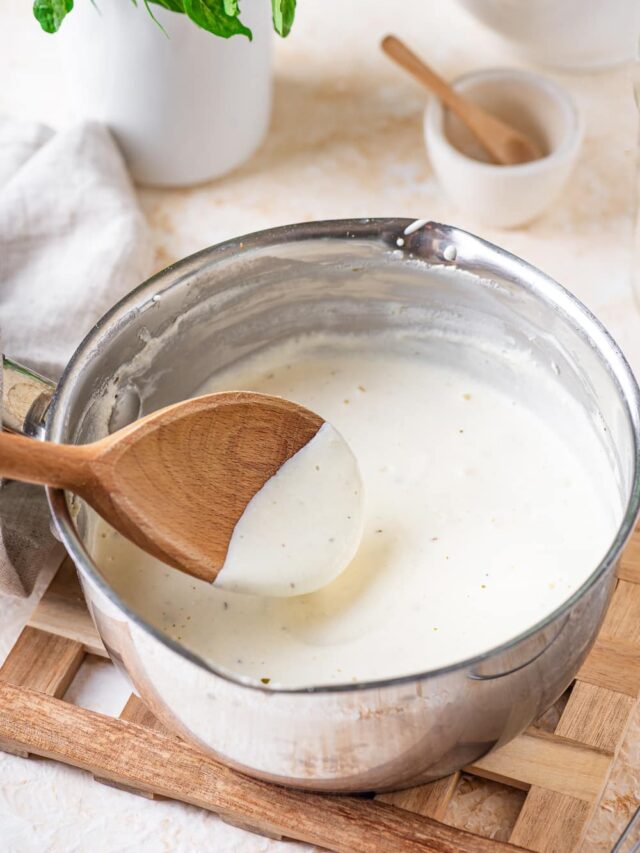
135,711
12,749
596,717
247,827
629,569
430,800
539,758
42,662
622,621
168,766
62,611
550,822
613,664
553,822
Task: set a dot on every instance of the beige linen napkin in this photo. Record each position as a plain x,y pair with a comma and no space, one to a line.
72,241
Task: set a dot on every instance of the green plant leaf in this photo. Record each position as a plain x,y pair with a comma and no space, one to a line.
51,13
211,15
172,5
220,17
153,17
283,14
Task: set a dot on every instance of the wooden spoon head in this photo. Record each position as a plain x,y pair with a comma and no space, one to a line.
517,148
177,482
506,145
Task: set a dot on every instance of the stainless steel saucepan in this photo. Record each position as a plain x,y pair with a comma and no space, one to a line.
160,343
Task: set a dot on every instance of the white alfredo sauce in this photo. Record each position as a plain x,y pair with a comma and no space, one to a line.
480,519
304,525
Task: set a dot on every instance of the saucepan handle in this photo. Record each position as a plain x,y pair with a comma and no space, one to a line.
26,397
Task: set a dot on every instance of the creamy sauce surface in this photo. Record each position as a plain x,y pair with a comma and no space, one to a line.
480,520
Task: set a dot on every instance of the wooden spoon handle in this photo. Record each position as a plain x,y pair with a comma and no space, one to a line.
64,466
407,59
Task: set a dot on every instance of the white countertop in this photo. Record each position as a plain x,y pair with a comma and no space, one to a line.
346,141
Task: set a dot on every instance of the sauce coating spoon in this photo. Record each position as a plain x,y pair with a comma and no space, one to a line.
248,489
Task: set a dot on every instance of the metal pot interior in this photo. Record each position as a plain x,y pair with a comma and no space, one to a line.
165,340
161,343
443,292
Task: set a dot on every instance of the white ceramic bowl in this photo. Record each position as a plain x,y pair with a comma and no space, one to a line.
505,196
565,33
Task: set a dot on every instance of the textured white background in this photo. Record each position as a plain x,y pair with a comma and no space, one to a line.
345,141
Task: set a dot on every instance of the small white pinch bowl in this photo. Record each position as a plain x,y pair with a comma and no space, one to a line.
505,196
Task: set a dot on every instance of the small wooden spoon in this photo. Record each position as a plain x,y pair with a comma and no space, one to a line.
504,143
177,481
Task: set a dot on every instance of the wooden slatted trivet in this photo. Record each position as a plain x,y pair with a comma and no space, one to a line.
564,773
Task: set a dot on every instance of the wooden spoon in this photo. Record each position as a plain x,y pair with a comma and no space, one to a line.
158,480
504,143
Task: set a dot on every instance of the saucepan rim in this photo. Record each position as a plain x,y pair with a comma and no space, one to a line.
389,232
